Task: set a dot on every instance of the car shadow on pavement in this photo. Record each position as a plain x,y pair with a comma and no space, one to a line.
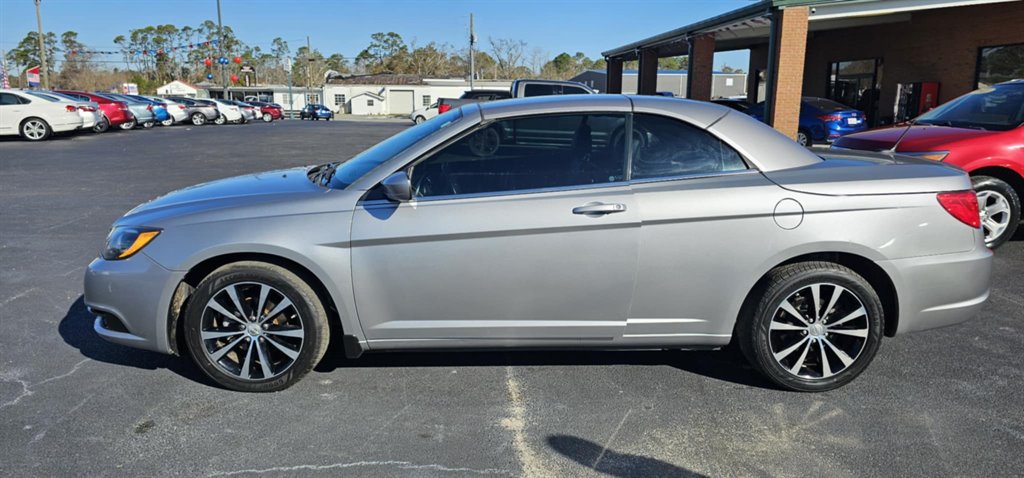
612,463
726,365
76,330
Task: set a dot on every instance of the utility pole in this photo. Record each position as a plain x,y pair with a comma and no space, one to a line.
220,47
309,69
472,56
42,50
288,66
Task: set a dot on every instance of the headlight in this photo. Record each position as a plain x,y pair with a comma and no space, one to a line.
932,155
123,242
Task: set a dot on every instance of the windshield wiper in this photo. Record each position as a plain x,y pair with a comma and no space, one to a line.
324,173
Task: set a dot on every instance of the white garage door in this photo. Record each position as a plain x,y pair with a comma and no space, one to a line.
400,102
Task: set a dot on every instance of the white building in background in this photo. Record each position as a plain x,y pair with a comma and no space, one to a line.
178,88
396,94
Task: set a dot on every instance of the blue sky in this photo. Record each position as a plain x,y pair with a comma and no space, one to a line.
344,26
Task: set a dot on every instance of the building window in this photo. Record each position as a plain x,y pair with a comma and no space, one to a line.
997,64
369,102
339,100
312,98
426,101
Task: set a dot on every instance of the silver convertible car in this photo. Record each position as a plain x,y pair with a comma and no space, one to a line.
596,221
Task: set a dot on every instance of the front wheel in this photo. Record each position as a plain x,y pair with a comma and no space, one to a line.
267,118
816,327
127,125
419,119
167,122
101,126
802,138
255,327
999,208
149,124
198,119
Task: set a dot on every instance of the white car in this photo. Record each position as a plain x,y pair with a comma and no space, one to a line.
175,109
89,111
35,118
228,112
423,114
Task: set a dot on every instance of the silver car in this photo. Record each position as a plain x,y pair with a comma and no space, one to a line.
590,221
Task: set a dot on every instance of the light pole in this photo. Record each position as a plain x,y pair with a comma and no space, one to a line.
42,49
220,45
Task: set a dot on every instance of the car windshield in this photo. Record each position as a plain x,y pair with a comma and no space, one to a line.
997,108
346,173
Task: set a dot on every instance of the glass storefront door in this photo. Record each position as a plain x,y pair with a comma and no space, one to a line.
857,84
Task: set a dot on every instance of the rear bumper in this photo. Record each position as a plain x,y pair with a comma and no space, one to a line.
936,291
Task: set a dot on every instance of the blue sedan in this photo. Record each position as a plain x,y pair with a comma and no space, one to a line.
821,120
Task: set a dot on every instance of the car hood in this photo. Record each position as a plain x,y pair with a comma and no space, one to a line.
854,173
260,194
917,138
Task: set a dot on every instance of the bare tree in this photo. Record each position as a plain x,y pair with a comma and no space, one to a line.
508,54
538,58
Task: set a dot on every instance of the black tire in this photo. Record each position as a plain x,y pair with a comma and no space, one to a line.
35,129
419,120
127,125
992,190
198,119
803,138
755,330
149,124
101,126
316,332
167,122
220,120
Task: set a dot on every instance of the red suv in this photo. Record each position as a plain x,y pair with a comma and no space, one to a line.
982,132
115,112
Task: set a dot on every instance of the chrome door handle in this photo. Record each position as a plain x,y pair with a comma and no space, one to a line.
597,209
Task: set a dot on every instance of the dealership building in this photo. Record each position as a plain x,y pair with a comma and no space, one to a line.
891,59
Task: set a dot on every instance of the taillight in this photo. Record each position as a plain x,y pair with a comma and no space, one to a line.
122,106
443,108
149,107
181,107
71,108
830,118
87,108
963,205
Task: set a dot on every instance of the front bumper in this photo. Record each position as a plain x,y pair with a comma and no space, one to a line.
940,290
137,293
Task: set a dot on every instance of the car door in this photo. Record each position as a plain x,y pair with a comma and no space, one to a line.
11,113
508,239
707,224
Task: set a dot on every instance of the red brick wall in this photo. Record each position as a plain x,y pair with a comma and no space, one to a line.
792,30
702,61
934,45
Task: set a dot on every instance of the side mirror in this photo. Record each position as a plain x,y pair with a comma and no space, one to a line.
398,187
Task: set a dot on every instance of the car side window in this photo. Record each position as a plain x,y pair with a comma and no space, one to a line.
9,99
527,153
666,147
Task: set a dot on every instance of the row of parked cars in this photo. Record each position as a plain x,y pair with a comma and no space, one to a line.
35,115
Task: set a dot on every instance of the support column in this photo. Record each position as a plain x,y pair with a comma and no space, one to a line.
613,84
789,32
699,78
647,81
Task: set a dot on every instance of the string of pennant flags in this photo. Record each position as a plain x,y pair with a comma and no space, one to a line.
149,52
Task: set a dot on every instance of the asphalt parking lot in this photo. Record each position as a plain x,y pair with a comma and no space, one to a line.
938,403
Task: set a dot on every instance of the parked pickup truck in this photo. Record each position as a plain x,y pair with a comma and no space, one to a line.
520,89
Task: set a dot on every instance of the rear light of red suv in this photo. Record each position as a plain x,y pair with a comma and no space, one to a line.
963,205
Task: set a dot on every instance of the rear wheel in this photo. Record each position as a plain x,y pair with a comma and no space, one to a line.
167,122
220,120
149,124
35,129
127,125
267,118
101,126
817,327
999,207
255,327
